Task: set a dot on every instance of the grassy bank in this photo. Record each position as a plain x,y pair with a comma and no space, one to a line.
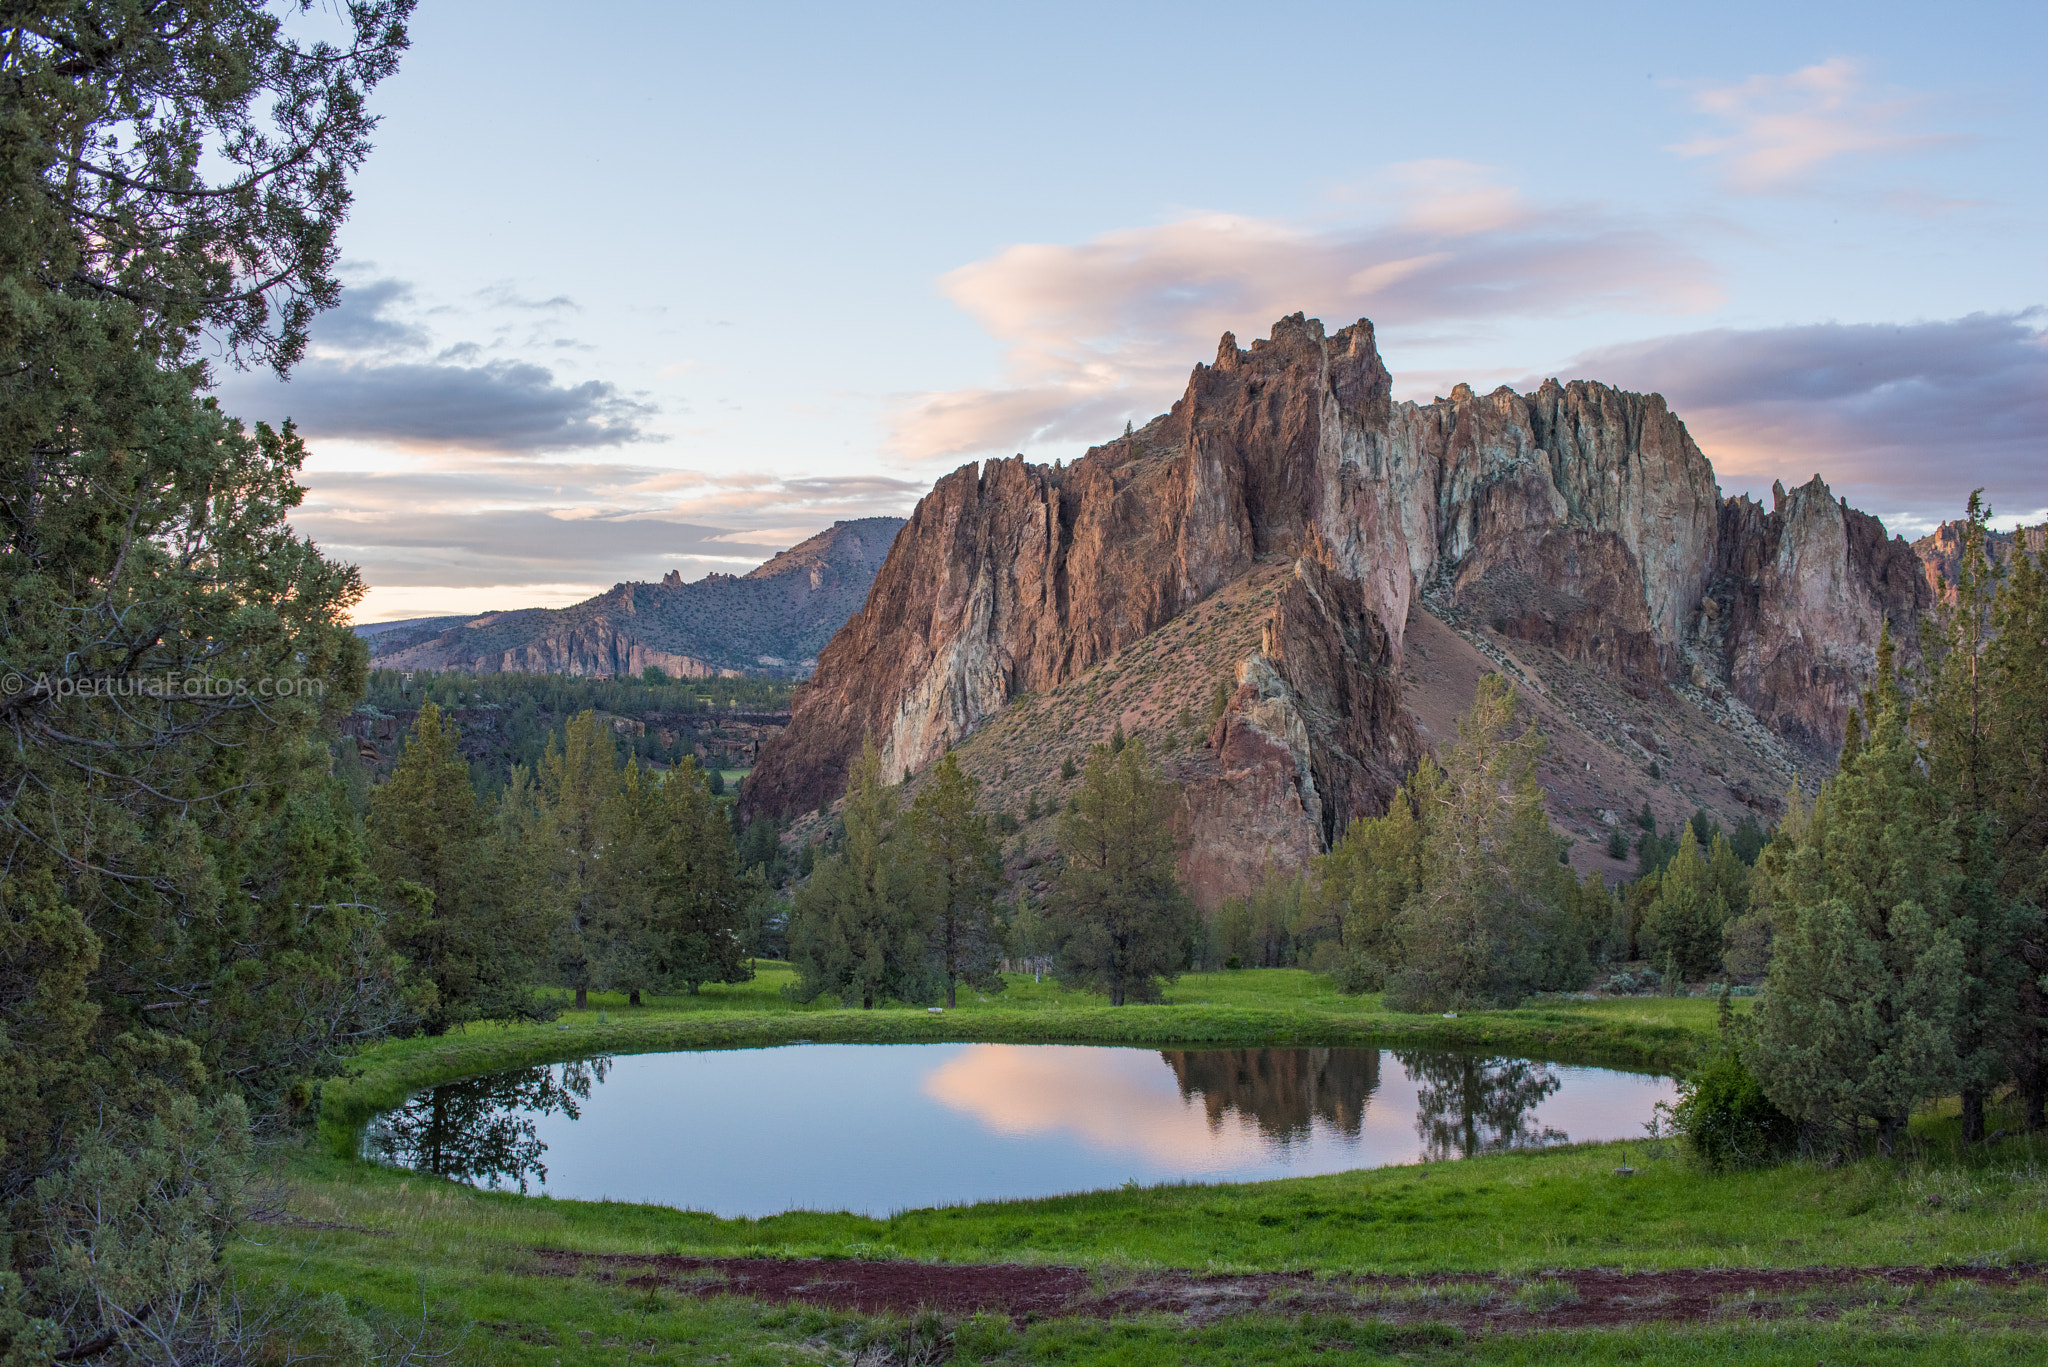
396,1241
1222,1010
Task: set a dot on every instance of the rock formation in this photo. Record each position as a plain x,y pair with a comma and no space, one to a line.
773,619
1578,518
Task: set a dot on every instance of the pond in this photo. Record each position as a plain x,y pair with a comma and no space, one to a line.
875,1128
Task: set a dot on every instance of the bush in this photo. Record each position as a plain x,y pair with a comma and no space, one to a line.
1356,974
1726,1118
1617,845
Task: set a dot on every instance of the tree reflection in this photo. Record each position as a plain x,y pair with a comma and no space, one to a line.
1282,1091
482,1131
1471,1105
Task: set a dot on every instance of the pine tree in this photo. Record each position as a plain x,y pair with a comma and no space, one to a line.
432,848
1868,979
1117,908
1685,922
578,781
960,869
675,910
856,927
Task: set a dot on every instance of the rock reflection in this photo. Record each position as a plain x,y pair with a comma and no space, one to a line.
1468,1105
482,1131
1282,1091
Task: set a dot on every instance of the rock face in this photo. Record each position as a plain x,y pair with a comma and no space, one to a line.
1941,551
1800,597
773,619
1579,517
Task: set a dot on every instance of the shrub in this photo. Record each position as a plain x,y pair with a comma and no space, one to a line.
1617,844
1068,768
1726,1118
1357,974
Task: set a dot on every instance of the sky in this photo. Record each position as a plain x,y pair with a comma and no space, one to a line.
637,287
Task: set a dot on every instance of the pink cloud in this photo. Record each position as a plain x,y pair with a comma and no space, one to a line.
1783,129
1104,329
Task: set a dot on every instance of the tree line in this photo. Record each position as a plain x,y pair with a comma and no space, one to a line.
912,906
584,874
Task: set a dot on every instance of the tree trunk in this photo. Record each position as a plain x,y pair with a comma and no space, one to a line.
1116,994
582,999
949,994
633,997
867,1003
1973,1114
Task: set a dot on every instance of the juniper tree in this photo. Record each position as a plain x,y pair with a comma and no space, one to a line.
856,928
959,870
184,920
1982,722
1868,985
1117,908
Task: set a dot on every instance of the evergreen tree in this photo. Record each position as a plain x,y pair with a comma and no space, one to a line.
1117,908
1369,877
1975,736
675,909
578,781
856,928
1868,980
1685,921
960,868
1486,926
185,926
451,912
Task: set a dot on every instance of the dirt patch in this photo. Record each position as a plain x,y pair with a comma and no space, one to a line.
1552,1300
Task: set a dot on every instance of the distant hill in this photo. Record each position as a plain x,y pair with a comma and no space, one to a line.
772,620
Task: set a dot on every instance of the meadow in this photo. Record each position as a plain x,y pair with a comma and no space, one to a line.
1503,1229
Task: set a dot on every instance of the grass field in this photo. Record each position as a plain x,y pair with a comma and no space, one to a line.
398,1241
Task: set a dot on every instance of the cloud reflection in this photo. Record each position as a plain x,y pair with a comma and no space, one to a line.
1121,1100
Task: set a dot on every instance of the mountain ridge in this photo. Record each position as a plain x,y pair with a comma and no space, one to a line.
772,620
1577,525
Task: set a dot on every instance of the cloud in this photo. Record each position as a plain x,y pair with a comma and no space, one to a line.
1105,328
359,323
1782,130
507,406
1905,419
531,531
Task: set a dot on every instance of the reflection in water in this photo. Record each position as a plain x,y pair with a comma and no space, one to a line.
1469,1105
920,1125
1283,1091
482,1131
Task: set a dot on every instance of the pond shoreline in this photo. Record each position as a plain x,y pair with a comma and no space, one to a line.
385,1075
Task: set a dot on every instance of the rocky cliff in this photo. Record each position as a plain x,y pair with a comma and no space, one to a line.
1579,519
774,619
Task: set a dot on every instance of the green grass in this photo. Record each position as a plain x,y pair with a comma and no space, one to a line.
394,1241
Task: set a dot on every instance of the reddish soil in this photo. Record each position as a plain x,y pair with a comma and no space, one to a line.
1600,1298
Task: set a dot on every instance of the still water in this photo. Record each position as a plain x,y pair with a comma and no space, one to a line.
875,1128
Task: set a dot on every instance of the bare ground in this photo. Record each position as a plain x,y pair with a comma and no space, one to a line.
1558,1300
